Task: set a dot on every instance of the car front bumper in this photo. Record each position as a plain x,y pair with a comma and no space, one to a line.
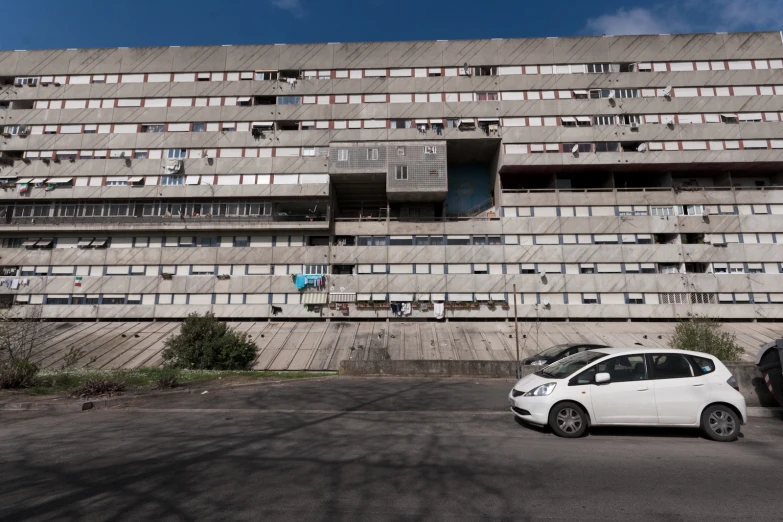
530,409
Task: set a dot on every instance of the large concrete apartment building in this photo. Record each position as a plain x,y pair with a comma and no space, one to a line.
615,178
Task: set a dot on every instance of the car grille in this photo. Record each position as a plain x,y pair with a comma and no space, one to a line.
516,393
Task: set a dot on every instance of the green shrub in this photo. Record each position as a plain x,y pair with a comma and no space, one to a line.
97,387
701,333
205,343
18,374
166,382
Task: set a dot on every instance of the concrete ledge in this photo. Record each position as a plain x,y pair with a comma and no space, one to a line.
750,380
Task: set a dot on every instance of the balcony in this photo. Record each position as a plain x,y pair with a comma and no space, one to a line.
151,223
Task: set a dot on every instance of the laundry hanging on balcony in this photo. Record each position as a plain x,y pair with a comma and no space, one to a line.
304,281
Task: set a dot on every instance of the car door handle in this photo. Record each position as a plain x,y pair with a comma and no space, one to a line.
642,389
702,384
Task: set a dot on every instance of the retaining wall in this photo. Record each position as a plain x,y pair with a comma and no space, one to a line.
750,381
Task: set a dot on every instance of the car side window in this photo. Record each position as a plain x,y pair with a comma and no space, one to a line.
586,377
670,366
702,365
625,368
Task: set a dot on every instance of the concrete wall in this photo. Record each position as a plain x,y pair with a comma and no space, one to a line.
751,382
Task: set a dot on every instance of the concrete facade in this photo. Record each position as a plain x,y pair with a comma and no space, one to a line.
631,178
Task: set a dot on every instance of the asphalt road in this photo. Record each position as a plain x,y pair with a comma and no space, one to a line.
370,449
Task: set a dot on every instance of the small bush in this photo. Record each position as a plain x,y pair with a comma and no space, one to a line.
205,343
167,382
703,334
97,387
18,374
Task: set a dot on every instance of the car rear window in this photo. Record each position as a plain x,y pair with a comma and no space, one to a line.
702,365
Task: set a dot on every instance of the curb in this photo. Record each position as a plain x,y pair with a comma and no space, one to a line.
95,404
768,413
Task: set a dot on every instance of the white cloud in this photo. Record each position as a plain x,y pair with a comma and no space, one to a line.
292,6
748,15
628,21
691,16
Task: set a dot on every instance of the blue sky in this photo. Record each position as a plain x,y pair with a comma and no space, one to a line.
46,24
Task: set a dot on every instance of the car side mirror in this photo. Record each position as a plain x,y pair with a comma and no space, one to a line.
602,377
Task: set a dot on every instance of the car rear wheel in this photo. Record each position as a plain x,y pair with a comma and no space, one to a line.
720,423
568,419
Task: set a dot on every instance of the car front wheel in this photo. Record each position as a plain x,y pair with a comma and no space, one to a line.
568,419
720,423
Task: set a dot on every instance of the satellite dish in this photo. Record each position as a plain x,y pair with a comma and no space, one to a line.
545,301
667,90
611,94
575,148
642,147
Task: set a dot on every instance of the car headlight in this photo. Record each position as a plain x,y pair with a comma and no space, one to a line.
544,389
540,362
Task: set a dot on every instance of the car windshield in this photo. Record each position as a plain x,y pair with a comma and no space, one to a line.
565,367
552,351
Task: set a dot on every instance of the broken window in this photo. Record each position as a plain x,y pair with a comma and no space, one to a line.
288,125
401,172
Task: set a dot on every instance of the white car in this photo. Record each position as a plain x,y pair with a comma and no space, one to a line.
632,387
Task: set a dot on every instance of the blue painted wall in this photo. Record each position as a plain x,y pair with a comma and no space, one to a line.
468,186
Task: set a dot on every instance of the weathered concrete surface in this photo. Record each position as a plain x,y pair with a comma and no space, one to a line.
750,380
321,346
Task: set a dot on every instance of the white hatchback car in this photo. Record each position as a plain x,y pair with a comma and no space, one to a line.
632,387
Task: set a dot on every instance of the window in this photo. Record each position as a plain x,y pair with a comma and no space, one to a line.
670,366
604,120
372,154
589,299
702,365
607,146
315,269
27,81
289,100
172,180
400,124
176,153
661,211
199,127
430,149
401,151
635,299
624,368
729,118
487,96
242,241
401,172
342,154
598,68
140,154
308,152
153,128
628,119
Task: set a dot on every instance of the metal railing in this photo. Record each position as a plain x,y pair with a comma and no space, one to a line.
161,220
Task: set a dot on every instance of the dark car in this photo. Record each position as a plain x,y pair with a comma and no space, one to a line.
559,351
